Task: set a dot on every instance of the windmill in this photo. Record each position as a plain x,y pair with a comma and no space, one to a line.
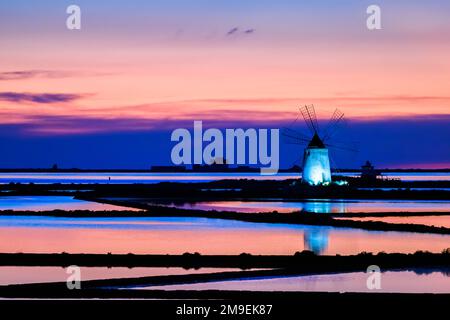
316,159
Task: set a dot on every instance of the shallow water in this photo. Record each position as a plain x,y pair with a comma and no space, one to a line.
147,177
324,206
20,275
44,203
391,281
137,177
437,221
206,236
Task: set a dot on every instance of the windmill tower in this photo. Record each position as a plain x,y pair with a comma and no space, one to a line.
316,160
316,163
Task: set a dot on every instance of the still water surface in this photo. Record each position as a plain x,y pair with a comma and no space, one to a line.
20,275
436,221
147,177
419,281
324,206
206,236
48,203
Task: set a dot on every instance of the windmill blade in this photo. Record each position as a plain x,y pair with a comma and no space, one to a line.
308,121
297,161
296,143
347,146
294,137
335,121
309,115
289,132
334,165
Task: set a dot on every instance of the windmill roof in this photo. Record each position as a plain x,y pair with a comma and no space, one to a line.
316,142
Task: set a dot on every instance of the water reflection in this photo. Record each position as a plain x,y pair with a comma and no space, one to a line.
436,221
319,206
48,203
206,236
134,177
24,274
153,177
316,240
434,281
324,206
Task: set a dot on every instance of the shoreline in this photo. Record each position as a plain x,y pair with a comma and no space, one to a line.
295,218
160,299
245,189
301,261
178,169
300,264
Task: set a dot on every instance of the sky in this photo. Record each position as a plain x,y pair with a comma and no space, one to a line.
109,95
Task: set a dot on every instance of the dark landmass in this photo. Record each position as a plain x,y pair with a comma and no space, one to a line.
244,189
387,170
141,213
218,169
388,214
182,279
164,280
300,218
305,261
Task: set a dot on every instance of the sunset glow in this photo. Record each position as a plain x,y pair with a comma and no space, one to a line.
147,65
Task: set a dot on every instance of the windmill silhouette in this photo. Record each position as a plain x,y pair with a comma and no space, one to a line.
316,159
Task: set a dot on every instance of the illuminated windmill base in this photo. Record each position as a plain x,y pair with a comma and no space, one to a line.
316,163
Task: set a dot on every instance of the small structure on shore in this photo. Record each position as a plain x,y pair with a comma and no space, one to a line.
217,165
368,172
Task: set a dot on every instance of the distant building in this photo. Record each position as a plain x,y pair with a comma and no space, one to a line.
245,169
219,165
368,172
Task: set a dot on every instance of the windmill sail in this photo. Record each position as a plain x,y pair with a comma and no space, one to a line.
309,115
316,160
333,124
